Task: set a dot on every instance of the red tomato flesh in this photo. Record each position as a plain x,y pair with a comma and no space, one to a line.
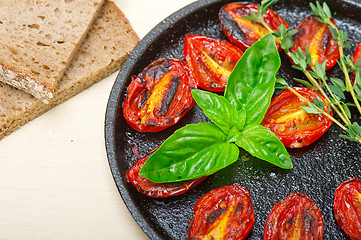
347,207
357,54
157,190
211,61
292,125
159,96
242,32
223,213
295,217
317,36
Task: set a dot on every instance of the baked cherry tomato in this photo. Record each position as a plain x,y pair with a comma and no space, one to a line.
157,190
211,61
347,207
242,32
295,217
317,36
223,213
356,57
357,54
159,96
292,125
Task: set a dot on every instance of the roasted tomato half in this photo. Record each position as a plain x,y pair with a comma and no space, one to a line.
159,96
223,213
317,36
242,32
292,125
157,190
347,207
357,54
211,61
295,217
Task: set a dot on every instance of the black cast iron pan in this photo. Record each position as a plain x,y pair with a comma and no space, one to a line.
318,168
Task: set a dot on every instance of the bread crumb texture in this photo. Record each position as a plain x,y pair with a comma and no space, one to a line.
107,45
38,39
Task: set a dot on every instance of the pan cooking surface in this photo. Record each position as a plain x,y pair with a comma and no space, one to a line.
318,168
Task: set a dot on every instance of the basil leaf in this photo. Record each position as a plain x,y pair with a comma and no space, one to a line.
239,120
234,135
217,108
238,124
193,151
263,144
251,83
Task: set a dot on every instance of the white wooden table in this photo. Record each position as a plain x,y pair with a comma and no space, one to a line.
55,182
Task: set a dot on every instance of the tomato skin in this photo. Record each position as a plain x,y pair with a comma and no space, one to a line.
347,207
157,190
211,61
243,33
291,124
317,36
295,217
227,209
357,54
159,96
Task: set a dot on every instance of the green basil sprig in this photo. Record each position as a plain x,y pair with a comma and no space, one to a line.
202,149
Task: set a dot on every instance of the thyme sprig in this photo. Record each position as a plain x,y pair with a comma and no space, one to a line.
262,9
316,75
323,14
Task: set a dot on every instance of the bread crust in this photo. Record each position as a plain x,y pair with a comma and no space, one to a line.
24,82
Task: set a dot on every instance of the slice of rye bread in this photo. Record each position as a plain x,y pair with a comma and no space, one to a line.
38,39
107,45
